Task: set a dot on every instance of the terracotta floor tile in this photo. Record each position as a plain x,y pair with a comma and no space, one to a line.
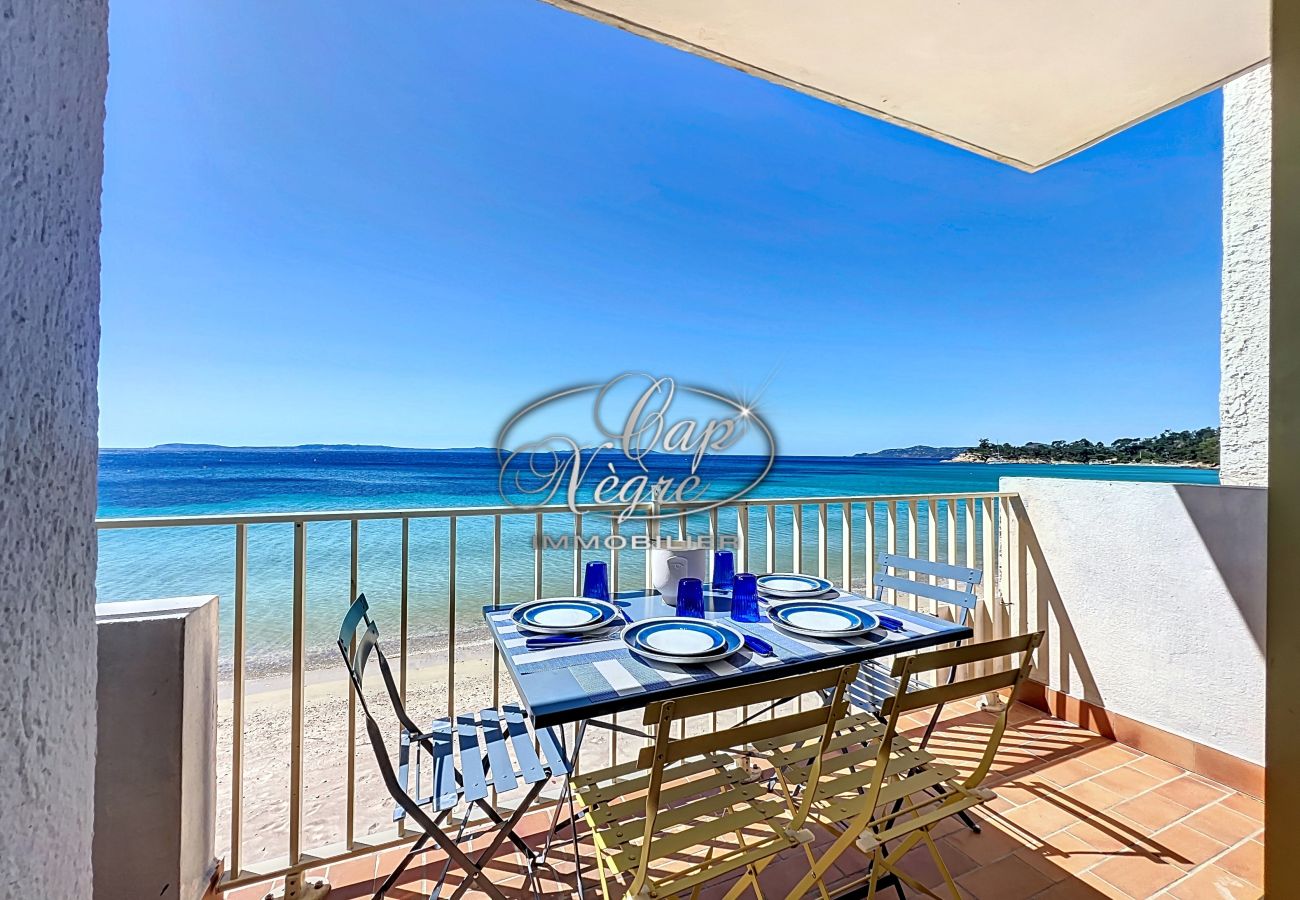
1060,855
1223,824
1138,875
1066,772
1191,791
990,845
1079,888
1247,806
1109,755
1025,790
1091,796
1007,879
920,865
1105,835
1151,811
1042,818
1213,883
1128,780
1154,765
1246,862
1186,847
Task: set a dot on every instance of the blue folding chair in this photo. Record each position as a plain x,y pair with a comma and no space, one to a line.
468,758
874,683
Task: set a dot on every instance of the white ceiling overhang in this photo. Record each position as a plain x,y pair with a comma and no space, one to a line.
1027,82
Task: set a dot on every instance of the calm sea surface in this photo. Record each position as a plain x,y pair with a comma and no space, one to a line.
166,562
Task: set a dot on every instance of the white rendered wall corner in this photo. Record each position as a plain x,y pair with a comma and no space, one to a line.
1153,598
1243,391
53,77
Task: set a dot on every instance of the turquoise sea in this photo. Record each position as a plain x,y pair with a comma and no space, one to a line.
167,562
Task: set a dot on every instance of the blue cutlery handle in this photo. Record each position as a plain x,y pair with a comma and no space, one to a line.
759,646
554,640
889,623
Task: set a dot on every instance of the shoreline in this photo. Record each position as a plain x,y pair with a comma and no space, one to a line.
998,461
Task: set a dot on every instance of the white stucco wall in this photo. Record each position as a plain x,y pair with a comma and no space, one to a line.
1243,391
1153,597
53,69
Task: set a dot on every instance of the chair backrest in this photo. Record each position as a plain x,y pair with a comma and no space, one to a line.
962,597
358,641
814,724
912,695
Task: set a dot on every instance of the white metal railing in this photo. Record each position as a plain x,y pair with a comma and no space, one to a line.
838,538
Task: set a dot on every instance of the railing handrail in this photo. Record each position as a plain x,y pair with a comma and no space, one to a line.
436,512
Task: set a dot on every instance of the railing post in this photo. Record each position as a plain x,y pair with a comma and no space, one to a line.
771,537
846,545
796,537
537,558
992,701
823,541
869,540
298,676
577,554
237,704
405,613
451,618
353,590
891,537
742,537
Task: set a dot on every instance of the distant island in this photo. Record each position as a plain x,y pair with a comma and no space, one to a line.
920,451
1198,448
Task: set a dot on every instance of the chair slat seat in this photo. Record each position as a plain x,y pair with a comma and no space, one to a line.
502,770
713,797
474,754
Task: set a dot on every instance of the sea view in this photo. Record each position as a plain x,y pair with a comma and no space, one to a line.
166,562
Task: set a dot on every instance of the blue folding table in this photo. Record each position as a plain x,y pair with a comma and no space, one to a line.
581,683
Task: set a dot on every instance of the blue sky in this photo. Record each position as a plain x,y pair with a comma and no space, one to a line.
323,224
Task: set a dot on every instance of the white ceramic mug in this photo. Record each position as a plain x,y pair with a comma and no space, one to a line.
671,561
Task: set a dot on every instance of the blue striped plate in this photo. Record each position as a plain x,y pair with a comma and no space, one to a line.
564,615
790,584
818,618
682,649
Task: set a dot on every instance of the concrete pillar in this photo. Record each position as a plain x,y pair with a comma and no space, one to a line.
155,773
53,75
1282,738
1243,390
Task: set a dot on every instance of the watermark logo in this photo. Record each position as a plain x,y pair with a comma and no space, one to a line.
638,446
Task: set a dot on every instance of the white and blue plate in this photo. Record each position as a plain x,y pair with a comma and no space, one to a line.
821,619
792,585
682,641
564,615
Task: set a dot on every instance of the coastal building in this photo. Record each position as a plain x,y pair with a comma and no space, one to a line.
1203,576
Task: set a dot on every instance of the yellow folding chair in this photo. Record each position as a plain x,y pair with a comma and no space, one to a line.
873,787
684,812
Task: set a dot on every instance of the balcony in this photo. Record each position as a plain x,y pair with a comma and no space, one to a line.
1097,800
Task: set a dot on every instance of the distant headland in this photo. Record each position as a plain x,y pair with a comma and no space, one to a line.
920,451
1196,449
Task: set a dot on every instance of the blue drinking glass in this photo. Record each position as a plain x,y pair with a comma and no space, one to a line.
744,598
595,581
724,569
690,598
